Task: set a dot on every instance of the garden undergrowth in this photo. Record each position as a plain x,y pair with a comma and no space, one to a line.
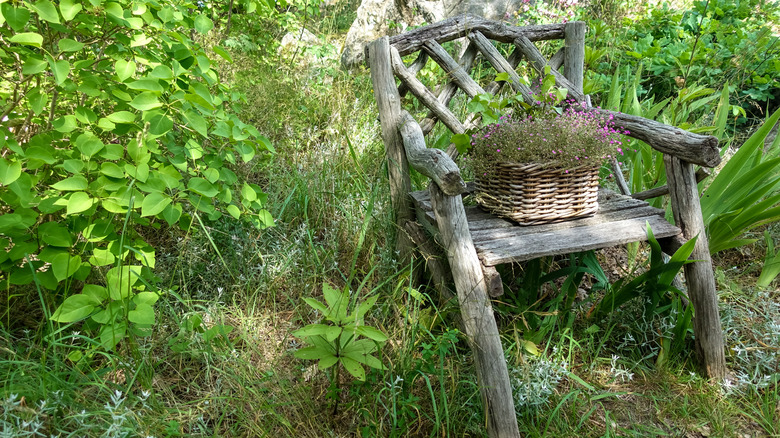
220,361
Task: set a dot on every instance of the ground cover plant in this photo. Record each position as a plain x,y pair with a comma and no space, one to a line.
216,356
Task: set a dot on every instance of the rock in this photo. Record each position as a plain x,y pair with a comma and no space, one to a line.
296,43
377,18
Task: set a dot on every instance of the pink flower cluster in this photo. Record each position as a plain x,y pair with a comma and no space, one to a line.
573,138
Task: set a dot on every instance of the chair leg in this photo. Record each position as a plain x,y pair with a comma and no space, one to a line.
699,275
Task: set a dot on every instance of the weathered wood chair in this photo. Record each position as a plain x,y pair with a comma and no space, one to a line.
475,241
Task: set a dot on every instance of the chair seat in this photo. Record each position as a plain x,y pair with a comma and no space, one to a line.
620,220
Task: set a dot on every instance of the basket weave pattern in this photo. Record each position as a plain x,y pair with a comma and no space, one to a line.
532,194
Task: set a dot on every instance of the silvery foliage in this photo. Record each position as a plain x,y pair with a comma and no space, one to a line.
534,381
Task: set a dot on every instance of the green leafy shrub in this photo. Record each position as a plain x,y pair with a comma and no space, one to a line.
112,121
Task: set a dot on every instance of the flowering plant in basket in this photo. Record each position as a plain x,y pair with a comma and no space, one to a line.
543,167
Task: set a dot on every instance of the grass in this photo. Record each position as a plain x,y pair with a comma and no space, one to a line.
220,361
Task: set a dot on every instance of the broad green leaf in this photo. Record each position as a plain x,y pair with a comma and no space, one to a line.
202,187
85,115
34,65
112,169
37,100
353,367
69,45
154,203
313,353
61,70
371,333
17,18
248,193
78,202
146,85
316,305
193,149
121,279
211,174
89,144
110,313
162,72
102,257
145,101
327,362
64,265
99,293
114,9
203,24
73,166
105,124
234,211
121,117
10,171
54,234
46,11
72,184
142,314
112,334
148,298
221,52
172,213
160,125
197,122
124,69
65,124
69,9
140,39
266,220
75,308
313,330
27,38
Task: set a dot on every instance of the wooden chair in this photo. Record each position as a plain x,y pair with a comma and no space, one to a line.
474,241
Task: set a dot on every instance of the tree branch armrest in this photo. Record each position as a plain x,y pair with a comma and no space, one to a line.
694,148
433,163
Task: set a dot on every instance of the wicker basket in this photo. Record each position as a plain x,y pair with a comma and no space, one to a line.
532,194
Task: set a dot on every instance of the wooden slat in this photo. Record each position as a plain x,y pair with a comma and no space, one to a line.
539,63
620,220
557,60
461,25
570,240
424,94
414,68
459,75
500,64
448,92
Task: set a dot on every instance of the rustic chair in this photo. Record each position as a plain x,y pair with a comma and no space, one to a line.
474,241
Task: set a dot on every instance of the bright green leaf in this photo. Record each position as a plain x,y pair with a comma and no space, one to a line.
197,122
112,169
112,334
142,314
27,38
234,211
354,367
160,125
54,234
65,124
69,9
145,101
203,187
17,18
10,171
121,117
34,65
78,202
154,203
75,308
69,45
72,184
124,69
64,265
46,11
89,144
203,24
